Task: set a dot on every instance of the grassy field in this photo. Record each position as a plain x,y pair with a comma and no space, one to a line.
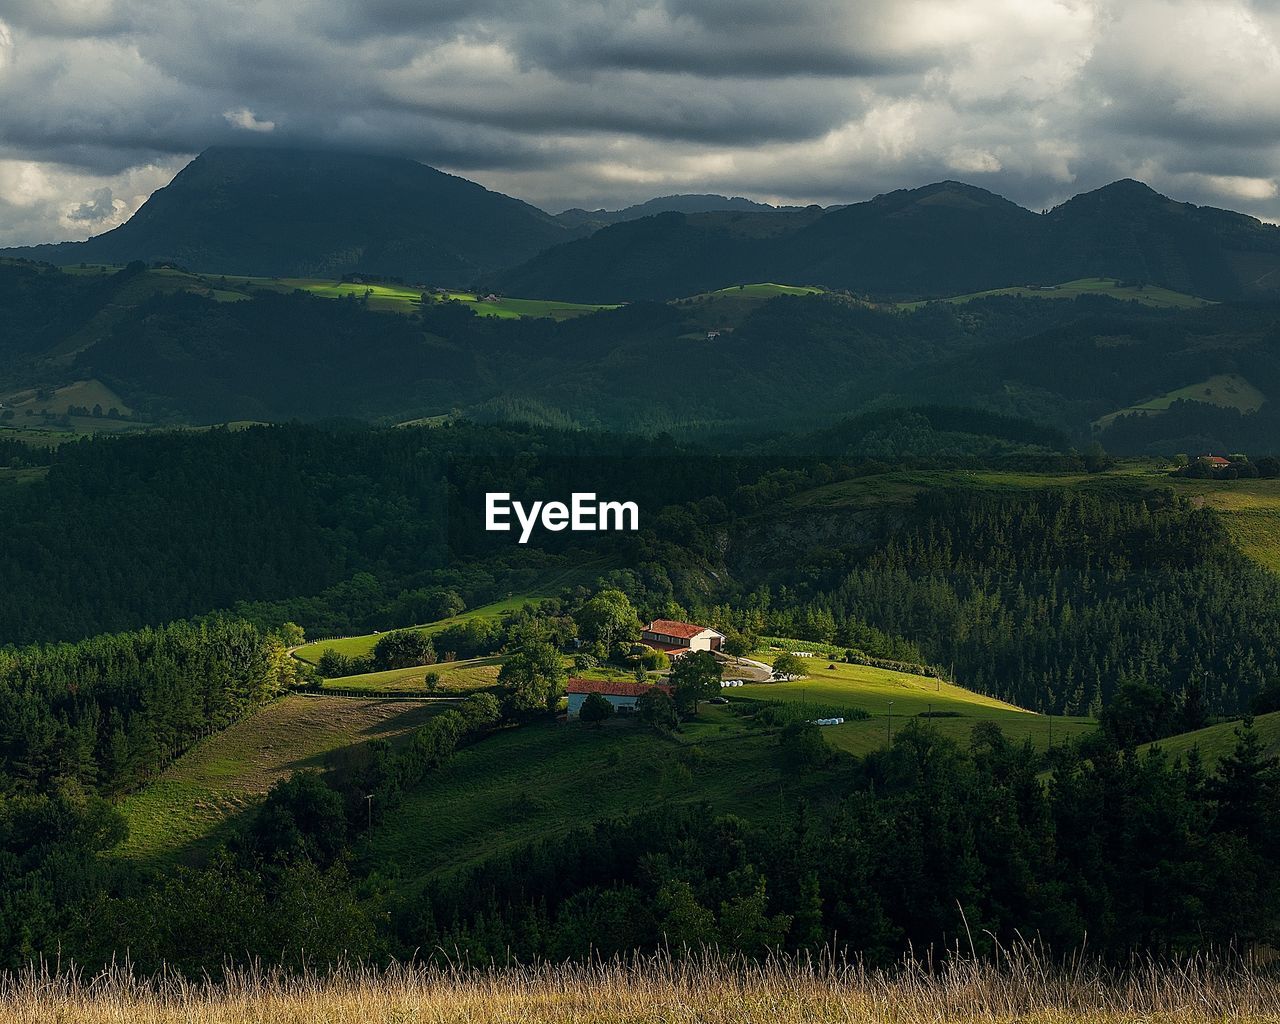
1227,390
548,778
512,309
391,298
359,646
727,307
386,297
192,803
1150,295
1250,510
706,988
1217,741
30,426
831,690
455,677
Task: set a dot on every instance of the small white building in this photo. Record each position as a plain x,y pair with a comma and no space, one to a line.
677,638
622,695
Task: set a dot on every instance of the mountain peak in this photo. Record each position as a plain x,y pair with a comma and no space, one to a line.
291,212
1127,191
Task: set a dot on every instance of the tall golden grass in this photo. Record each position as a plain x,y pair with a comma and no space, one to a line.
707,989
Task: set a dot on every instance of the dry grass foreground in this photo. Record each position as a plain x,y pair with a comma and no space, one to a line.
707,990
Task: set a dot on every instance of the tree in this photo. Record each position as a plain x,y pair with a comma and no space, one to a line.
481,709
657,710
695,677
803,745
596,709
1194,714
1240,784
404,648
431,680
788,666
1138,713
608,619
532,679
739,643
301,818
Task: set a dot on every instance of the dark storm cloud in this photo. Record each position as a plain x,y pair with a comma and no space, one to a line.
606,102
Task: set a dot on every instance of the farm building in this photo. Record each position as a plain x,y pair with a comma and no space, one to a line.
622,695
1214,461
677,638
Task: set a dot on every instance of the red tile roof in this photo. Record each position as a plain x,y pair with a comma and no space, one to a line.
610,688
669,627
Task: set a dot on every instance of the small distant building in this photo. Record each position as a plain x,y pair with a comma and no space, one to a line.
677,638
712,335
622,695
1214,461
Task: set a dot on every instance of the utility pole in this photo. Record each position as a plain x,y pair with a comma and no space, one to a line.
890,723
368,802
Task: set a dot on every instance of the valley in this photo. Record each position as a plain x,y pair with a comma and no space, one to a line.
639,513
999,552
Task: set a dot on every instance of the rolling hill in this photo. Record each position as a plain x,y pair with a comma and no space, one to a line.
300,213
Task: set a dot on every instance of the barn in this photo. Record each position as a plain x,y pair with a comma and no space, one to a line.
622,695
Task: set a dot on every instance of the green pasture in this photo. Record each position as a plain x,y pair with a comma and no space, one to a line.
545,779
727,307
193,802
1218,741
831,687
1148,295
1226,390
456,677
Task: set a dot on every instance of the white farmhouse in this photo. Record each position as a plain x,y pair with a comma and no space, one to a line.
677,638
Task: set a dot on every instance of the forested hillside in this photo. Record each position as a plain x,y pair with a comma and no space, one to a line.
1050,593
1135,377
1052,600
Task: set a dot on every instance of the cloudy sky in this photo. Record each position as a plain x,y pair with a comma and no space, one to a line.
606,102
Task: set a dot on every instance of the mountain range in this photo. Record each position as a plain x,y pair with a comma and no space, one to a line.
942,239
289,213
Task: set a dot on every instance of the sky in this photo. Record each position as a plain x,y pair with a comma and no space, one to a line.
602,103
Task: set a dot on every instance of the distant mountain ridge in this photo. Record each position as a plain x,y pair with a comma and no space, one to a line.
301,213
942,239
696,203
